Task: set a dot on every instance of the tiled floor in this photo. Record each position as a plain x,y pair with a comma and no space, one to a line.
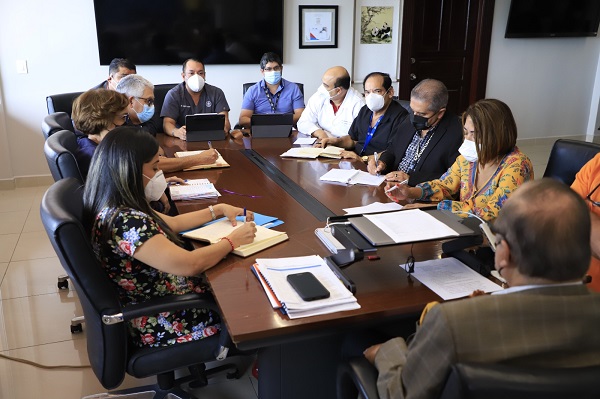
35,315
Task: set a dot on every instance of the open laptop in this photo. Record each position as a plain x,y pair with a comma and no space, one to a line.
271,125
205,127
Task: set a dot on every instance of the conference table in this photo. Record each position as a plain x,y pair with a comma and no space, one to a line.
298,358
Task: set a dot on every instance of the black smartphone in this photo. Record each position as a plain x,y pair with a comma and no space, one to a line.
307,286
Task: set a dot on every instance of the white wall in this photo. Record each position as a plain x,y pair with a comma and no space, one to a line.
548,83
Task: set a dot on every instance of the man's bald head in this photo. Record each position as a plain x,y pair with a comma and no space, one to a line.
432,92
336,76
547,228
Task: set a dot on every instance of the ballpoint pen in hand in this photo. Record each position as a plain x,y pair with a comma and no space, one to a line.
376,160
210,145
396,186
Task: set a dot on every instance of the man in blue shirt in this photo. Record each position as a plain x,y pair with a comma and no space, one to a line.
192,96
273,94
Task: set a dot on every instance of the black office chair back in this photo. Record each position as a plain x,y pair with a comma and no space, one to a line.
60,150
568,157
61,212
246,86
160,92
55,122
495,381
61,102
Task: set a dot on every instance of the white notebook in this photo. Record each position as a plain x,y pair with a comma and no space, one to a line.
314,152
352,176
193,189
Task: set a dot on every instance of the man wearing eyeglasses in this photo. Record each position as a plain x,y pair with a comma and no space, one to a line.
586,184
190,97
547,318
273,94
117,70
376,122
140,94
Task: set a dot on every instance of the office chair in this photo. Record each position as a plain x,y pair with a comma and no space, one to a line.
60,153
160,92
61,102
405,104
111,352
57,121
568,157
246,86
484,381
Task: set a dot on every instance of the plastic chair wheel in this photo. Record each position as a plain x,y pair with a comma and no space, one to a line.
77,328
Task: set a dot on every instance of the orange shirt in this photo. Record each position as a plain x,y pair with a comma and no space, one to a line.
585,181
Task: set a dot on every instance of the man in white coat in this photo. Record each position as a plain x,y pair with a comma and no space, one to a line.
331,110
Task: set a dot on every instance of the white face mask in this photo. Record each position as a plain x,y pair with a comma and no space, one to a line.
156,186
325,93
375,102
195,83
468,150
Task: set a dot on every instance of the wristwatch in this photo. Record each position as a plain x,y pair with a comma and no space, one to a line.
365,158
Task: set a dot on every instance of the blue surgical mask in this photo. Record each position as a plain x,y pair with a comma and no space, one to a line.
272,77
146,114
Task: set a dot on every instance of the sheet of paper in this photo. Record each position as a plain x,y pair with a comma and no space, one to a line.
339,175
375,207
367,179
302,152
305,140
451,279
411,225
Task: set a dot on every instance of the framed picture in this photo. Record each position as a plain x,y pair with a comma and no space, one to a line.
318,26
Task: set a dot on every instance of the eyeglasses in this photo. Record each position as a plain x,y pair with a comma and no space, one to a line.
147,100
269,69
589,197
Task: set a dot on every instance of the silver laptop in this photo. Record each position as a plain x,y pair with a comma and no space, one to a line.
205,127
271,125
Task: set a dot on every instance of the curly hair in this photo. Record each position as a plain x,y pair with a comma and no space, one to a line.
94,110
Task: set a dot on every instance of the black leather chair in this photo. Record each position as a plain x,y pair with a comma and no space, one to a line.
160,91
246,86
110,351
56,121
568,157
61,102
484,381
60,153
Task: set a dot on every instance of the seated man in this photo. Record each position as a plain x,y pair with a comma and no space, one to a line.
423,149
376,123
117,70
192,96
140,94
586,185
541,321
332,109
273,94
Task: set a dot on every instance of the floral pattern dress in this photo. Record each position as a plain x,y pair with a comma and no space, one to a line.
138,281
514,170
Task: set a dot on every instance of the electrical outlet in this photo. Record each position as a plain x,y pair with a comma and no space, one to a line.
21,66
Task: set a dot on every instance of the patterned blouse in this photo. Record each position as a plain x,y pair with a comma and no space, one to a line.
514,169
138,281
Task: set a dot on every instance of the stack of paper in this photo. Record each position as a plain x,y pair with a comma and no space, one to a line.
313,152
352,176
219,163
194,189
272,274
213,233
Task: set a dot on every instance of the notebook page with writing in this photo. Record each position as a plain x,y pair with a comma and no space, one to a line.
193,189
367,179
219,163
410,226
339,175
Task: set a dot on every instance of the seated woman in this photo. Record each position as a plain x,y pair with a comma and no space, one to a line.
94,114
139,248
489,168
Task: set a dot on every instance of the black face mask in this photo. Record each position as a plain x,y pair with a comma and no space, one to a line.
420,122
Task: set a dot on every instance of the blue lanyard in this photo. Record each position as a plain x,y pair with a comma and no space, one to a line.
370,132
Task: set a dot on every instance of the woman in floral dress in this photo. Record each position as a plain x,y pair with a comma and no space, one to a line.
488,170
140,249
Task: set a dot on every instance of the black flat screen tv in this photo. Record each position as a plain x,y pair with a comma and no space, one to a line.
553,18
166,32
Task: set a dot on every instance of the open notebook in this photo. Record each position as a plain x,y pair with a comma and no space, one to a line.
313,152
352,176
193,189
213,233
219,163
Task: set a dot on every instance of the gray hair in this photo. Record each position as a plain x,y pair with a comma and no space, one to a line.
134,85
431,91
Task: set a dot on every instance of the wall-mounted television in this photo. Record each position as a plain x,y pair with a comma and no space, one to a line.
553,18
166,32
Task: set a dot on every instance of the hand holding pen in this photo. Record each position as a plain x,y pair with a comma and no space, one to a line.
397,191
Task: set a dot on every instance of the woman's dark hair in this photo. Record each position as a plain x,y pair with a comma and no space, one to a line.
115,177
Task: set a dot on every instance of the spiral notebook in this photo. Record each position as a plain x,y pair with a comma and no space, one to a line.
193,189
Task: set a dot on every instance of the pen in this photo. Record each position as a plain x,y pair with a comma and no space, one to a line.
376,159
210,145
396,186
244,215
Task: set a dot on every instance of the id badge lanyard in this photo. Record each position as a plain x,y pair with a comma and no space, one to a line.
370,133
